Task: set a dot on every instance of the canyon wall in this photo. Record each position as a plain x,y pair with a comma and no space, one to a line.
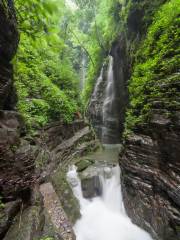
150,167
150,160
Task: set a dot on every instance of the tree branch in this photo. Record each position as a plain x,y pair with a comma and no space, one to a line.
82,46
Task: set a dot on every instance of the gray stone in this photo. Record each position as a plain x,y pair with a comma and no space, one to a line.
7,213
69,202
27,225
56,213
91,187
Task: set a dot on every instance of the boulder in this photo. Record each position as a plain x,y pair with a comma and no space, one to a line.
91,187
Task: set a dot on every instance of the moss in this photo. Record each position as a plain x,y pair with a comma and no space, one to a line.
157,60
83,163
42,159
69,202
26,224
14,147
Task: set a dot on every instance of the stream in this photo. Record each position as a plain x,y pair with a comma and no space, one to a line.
104,217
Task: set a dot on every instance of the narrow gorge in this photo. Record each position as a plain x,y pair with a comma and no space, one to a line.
89,120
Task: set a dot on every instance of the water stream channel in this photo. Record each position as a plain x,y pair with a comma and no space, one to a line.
104,217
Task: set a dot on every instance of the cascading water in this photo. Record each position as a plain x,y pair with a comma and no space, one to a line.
104,218
110,109
97,86
110,91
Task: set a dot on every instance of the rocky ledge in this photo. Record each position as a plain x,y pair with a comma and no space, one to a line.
151,176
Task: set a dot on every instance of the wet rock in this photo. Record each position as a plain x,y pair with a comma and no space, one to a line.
112,131
49,230
61,149
7,213
27,225
150,178
91,187
69,202
17,158
9,38
83,164
57,132
161,120
56,213
72,141
96,102
87,146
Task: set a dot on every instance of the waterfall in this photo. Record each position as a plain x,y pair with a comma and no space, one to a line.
104,218
110,111
104,108
98,83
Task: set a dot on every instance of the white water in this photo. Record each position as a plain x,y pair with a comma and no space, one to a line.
110,91
110,109
104,218
109,94
98,83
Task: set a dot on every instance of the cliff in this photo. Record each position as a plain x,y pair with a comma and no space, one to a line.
9,39
146,75
150,161
108,102
27,162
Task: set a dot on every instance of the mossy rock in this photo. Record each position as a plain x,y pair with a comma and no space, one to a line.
26,226
49,231
84,163
7,212
69,202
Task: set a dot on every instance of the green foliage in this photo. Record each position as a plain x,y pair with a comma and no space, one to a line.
46,81
36,16
156,61
104,28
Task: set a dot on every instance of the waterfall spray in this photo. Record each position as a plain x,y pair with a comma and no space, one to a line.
104,218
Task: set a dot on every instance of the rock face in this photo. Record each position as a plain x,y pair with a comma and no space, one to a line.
91,187
28,223
8,212
9,39
96,103
110,97
61,143
16,156
150,161
25,161
13,158
150,177
65,194
56,212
